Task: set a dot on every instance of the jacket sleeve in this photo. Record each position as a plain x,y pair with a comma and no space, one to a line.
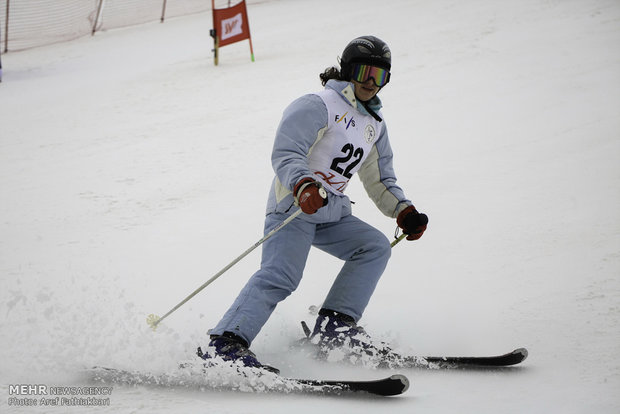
303,123
379,180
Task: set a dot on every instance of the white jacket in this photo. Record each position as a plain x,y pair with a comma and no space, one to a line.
330,136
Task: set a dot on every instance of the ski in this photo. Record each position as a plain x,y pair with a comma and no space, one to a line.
511,358
393,385
382,356
393,360
252,380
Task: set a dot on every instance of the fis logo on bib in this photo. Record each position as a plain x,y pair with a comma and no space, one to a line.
346,121
369,133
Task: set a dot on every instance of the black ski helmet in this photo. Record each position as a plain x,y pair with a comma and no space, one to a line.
369,50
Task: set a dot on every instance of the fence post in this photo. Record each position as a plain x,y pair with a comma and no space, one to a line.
97,16
6,27
0,54
163,11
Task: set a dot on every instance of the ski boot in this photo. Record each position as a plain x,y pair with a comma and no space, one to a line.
230,347
338,337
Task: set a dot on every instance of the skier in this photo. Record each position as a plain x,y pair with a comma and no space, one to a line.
324,139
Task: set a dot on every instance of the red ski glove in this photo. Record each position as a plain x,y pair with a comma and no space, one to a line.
310,195
412,222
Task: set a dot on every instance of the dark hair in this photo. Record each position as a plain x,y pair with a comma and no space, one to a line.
331,73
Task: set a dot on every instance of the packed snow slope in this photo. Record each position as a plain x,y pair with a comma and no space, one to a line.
132,169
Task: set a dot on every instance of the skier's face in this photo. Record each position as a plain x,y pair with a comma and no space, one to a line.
365,91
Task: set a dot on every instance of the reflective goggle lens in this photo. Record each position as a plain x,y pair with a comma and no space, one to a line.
361,73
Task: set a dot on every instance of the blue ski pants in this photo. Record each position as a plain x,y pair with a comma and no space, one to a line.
364,249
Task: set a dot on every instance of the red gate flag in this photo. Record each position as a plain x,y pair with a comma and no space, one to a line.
231,25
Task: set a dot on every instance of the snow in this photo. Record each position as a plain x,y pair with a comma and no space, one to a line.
132,170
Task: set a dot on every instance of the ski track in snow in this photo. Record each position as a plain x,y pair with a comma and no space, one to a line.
132,170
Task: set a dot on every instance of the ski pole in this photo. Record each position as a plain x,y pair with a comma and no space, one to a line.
397,240
423,220
154,320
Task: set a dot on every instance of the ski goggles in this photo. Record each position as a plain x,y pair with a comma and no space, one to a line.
361,73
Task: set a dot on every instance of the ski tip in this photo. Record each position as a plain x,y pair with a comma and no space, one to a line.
403,380
521,351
